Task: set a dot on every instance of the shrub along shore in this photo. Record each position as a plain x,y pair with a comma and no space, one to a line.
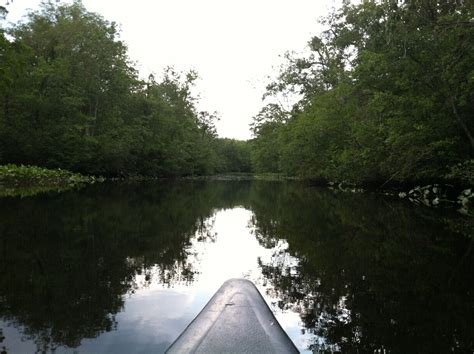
30,180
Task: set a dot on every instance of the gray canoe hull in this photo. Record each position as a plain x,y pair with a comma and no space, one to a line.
235,320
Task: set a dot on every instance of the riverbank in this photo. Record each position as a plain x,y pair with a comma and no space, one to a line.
457,193
26,181
441,194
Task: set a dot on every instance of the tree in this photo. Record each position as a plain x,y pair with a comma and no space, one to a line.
72,99
384,93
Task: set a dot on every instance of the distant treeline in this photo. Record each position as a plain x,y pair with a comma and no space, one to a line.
386,95
71,98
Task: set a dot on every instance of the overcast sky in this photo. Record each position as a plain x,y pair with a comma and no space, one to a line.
233,45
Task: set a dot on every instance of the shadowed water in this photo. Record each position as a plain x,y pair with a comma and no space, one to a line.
123,268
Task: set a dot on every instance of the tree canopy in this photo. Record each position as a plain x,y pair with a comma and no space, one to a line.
386,94
70,97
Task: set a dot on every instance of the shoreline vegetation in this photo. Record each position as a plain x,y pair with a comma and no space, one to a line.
384,96
443,193
383,103
24,181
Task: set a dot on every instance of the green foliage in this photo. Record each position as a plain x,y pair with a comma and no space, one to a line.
32,174
265,150
70,98
386,94
234,155
30,180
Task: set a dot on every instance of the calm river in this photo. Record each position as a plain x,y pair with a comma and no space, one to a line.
123,268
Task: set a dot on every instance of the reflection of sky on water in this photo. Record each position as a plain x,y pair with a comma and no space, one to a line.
155,315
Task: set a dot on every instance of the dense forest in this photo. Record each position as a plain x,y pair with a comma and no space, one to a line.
385,94
71,98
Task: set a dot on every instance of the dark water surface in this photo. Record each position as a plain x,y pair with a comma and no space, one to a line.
123,268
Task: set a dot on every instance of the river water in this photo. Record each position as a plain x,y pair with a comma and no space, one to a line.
124,267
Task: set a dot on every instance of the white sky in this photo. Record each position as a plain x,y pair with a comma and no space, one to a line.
233,45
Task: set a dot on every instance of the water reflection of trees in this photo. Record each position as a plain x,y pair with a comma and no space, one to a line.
67,260
363,272
370,274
